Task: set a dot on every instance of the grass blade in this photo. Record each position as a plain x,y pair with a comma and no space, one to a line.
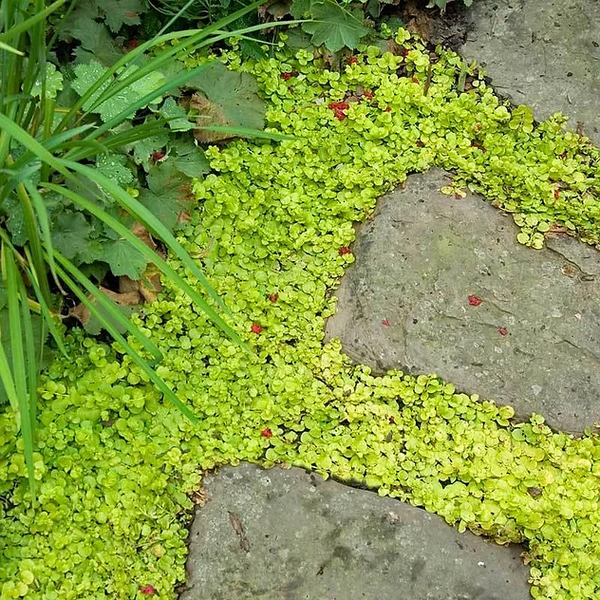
10,275
29,217
137,359
44,223
26,25
151,256
46,313
108,306
8,48
248,132
152,224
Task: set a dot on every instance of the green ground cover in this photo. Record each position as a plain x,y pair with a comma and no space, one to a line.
272,231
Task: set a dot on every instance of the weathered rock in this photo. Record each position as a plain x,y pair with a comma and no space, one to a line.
533,342
542,53
289,535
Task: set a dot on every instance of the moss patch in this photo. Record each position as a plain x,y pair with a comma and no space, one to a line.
272,232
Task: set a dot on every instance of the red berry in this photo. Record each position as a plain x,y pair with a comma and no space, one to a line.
286,76
392,419
556,194
344,250
415,80
386,323
368,95
156,156
502,331
404,52
274,297
352,60
256,328
474,300
148,590
267,433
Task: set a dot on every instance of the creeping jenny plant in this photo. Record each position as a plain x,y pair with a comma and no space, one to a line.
115,462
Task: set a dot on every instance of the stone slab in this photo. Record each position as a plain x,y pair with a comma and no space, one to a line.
289,535
404,304
542,53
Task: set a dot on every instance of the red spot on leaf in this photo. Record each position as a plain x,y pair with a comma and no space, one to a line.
344,250
352,60
256,328
474,300
386,323
502,331
148,590
267,432
556,194
274,297
286,76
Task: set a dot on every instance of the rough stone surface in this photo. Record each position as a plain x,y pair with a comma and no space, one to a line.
301,538
543,53
405,304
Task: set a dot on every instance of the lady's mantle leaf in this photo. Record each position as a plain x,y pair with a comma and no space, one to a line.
167,193
71,234
227,98
115,166
190,159
334,26
124,259
178,118
54,83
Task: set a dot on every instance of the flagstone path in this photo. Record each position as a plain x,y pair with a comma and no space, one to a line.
532,341
289,535
542,53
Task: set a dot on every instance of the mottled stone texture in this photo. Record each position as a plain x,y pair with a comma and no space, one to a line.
288,535
533,342
543,53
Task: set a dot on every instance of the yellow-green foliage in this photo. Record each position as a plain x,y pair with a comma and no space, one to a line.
115,463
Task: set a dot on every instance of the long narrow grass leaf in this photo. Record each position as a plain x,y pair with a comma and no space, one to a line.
151,256
33,237
248,132
47,314
150,221
8,48
19,372
31,360
137,359
108,306
44,223
26,25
